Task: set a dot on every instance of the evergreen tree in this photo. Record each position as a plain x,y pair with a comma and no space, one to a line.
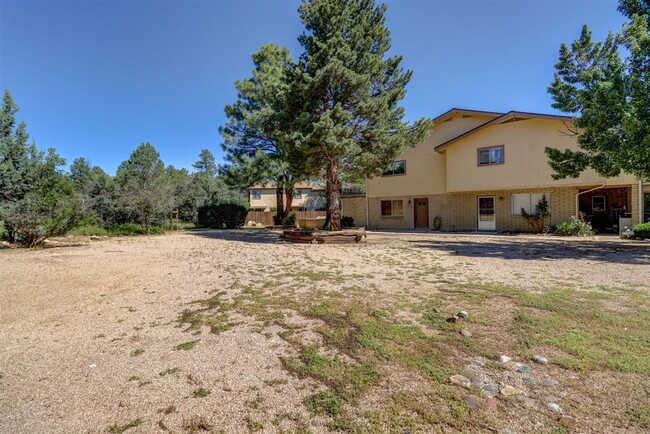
255,135
143,187
204,181
610,98
345,94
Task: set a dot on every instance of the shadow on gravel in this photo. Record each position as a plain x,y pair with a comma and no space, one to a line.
542,250
259,236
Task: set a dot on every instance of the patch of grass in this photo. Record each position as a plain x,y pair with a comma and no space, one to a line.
186,346
255,403
169,371
253,425
197,424
325,403
276,382
119,429
201,392
210,314
137,352
640,415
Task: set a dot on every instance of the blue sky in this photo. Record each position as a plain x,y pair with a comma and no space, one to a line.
95,78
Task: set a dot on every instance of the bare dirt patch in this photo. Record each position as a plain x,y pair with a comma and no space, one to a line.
233,331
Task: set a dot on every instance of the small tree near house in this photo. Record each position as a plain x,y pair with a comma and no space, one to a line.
537,219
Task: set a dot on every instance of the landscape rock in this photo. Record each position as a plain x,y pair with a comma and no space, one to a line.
528,380
463,314
554,407
531,402
525,370
549,398
510,391
491,403
452,318
476,381
550,382
504,359
472,401
478,362
540,359
490,389
466,333
436,310
460,380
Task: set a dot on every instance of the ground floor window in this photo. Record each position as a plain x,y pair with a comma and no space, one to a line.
528,202
646,208
392,207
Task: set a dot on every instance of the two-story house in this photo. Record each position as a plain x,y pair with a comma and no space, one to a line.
307,196
477,170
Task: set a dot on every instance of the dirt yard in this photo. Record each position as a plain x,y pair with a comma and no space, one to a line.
235,332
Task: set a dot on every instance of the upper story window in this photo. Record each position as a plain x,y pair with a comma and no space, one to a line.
256,194
489,156
297,194
396,168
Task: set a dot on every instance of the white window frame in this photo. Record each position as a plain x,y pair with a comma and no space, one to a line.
392,208
533,200
599,208
392,169
491,154
297,194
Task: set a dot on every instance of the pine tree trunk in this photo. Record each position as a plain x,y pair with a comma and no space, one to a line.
288,191
279,203
333,219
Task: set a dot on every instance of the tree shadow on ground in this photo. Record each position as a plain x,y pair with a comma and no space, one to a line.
257,236
550,250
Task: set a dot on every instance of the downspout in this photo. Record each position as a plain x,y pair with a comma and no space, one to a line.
367,205
578,198
641,210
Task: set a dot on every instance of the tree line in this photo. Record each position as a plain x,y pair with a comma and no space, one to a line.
39,199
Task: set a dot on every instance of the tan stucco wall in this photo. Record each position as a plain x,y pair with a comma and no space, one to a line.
310,199
425,168
458,211
526,164
355,207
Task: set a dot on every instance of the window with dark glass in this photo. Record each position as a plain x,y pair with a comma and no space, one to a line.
392,207
396,168
256,194
489,156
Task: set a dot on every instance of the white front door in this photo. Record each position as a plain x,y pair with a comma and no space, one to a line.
486,214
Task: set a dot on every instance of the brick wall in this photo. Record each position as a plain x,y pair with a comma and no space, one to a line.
355,207
458,211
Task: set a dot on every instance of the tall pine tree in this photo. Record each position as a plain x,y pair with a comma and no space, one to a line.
345,95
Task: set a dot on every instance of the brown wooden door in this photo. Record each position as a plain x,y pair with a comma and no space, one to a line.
421,212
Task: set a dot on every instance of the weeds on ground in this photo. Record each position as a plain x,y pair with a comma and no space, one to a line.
119,429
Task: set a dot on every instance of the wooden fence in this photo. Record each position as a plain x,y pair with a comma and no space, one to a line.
266,217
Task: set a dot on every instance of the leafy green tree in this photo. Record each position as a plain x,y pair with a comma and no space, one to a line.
255,135
609,96
345,94
50,208
37,199
204,180
183,192
143,187
97,191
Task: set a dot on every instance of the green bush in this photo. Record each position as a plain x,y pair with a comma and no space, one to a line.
642,231
347,222
216,216
573,228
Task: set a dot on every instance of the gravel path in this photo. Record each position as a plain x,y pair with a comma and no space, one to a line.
74,320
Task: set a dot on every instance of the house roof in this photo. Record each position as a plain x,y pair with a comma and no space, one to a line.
511,116
300,185
465,112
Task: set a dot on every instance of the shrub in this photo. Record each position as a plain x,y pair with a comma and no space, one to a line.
217,216
573,227
347,222
537,218
642,231
289,220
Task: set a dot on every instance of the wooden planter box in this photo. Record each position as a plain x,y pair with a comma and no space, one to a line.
320,237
